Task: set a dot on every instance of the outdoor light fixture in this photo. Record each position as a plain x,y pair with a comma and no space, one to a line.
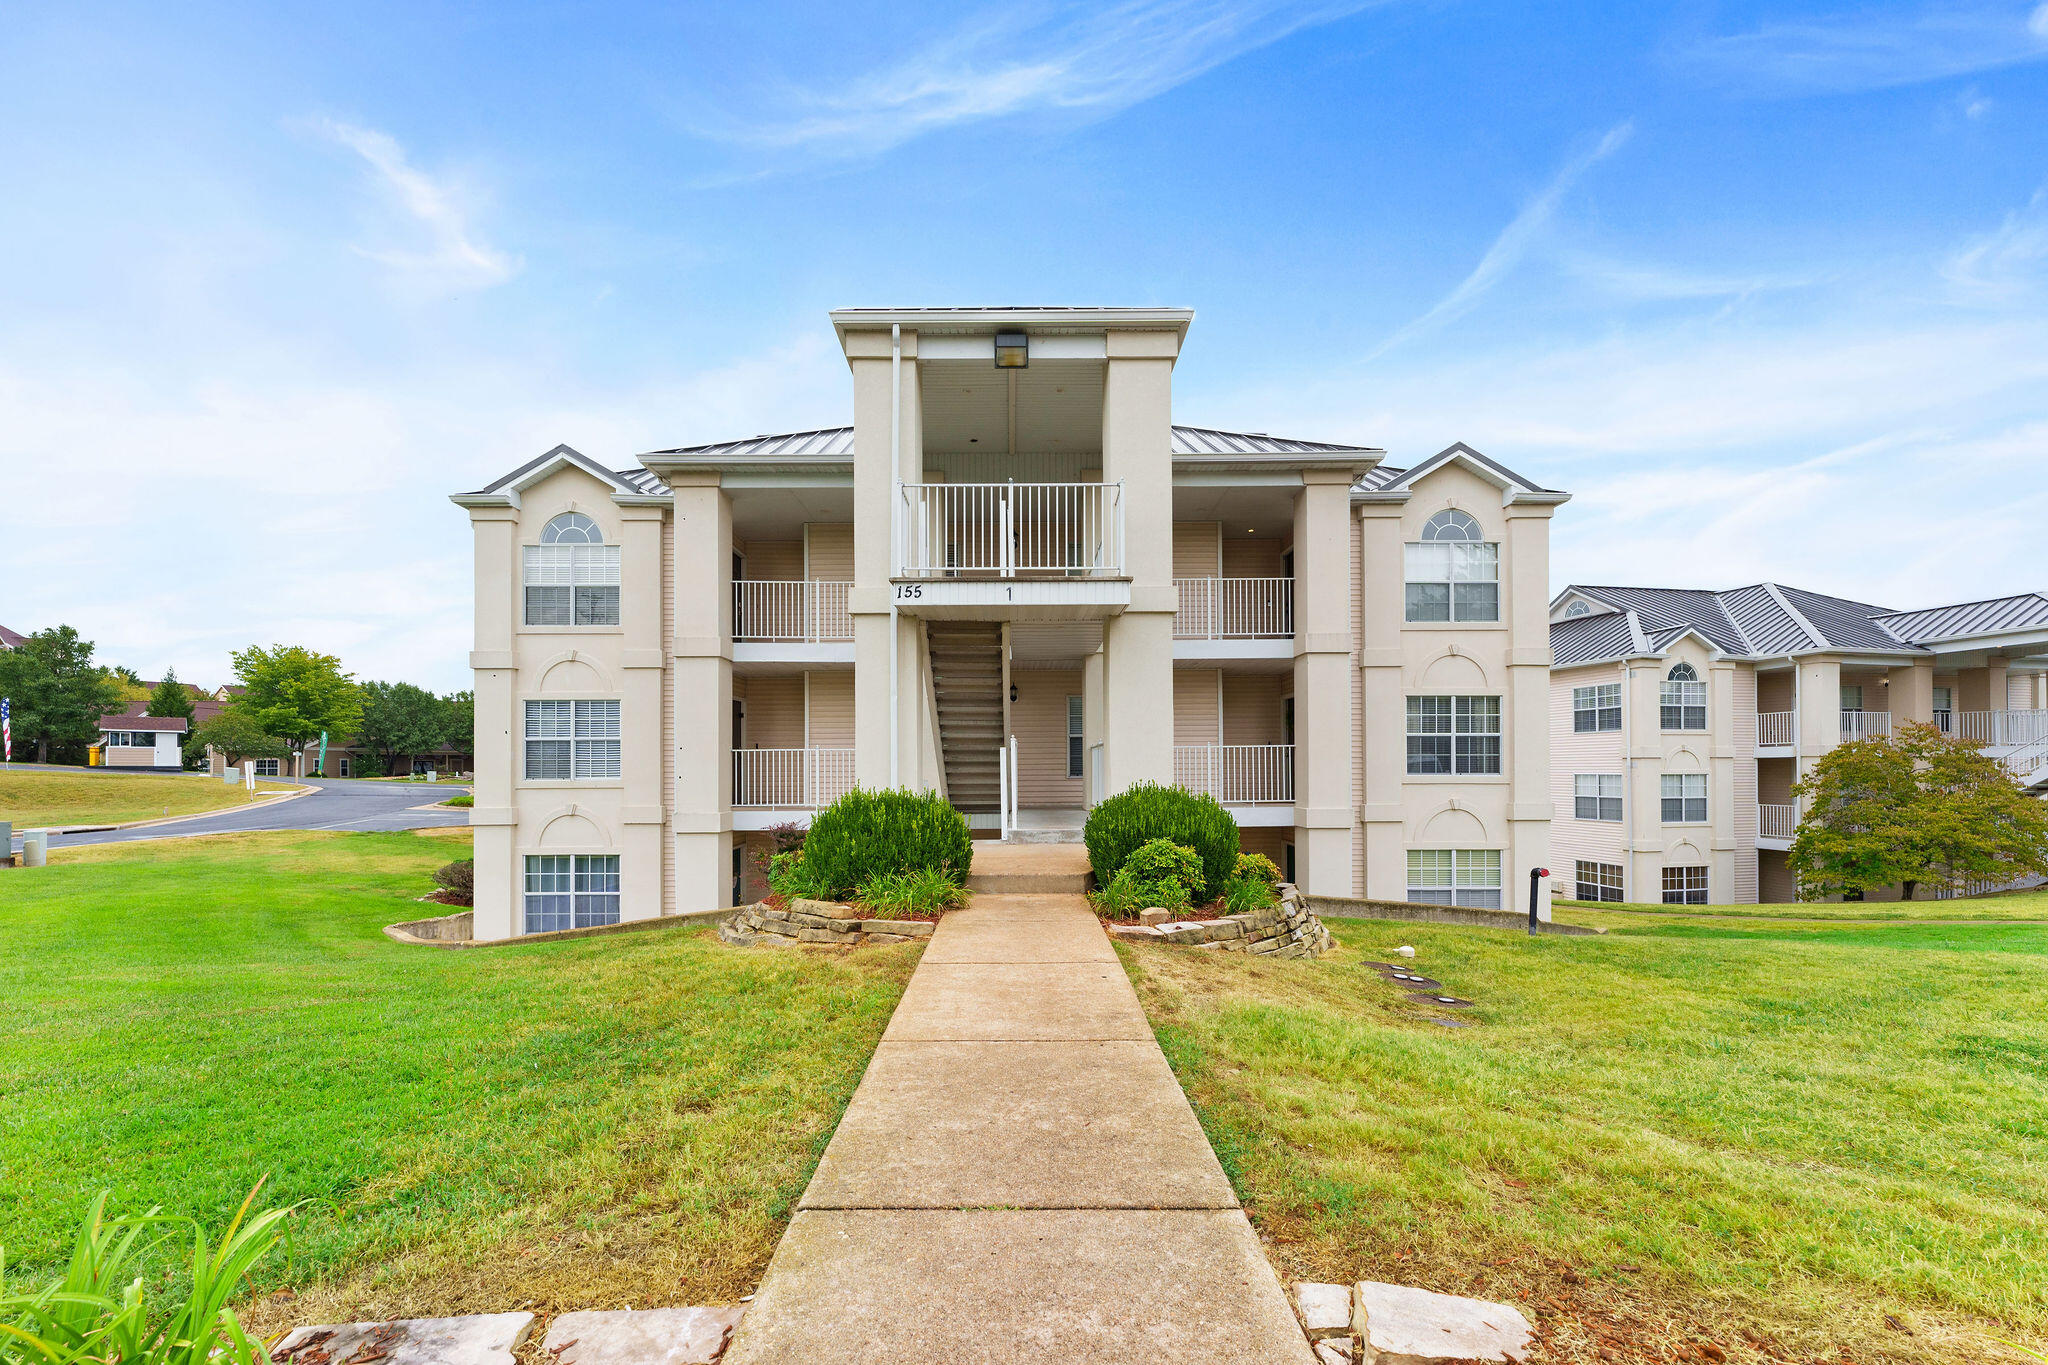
1013,691
1013,351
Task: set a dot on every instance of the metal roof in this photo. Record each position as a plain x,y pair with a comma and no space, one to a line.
836,443
1381,484
1765,622
1666,609
1968,618
1584,639
1842,623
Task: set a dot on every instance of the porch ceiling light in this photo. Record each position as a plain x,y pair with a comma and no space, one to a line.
1013,351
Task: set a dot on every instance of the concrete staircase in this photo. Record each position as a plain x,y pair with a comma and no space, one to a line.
1029,869
967,682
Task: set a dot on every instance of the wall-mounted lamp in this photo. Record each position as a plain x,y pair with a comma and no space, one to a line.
1013,691
1013,351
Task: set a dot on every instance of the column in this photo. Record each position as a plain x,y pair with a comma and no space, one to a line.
1909,692
1995,694
1324,735
1723,848
643,804
1383,723
1137,450
1525,572
703,692
1092,707
494,819
1819,709
876,472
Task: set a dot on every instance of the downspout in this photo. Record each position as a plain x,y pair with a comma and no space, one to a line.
895,503
1628,786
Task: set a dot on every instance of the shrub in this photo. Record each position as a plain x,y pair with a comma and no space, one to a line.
1134,817
1123,896
1256,867
1242,894
1162,860
458,879
869,834
922,891
787,837
463,800
790,876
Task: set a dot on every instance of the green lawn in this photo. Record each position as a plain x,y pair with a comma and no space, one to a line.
34,797
2012,905
1688,1127
620,1119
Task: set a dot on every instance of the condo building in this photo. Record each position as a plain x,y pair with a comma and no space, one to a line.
1681,720
1016,580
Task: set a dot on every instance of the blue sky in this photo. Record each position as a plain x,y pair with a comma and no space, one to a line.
1763,284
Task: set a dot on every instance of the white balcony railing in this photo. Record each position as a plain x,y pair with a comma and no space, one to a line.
1774,729
790,779
1865,724
1775,821
1236,774
1006,529
1999,729
1233,608
772,611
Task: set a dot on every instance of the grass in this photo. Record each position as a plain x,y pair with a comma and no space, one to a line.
2007,905
598,1122
1718,1127
35,797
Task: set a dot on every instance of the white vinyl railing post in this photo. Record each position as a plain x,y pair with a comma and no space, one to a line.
1003,790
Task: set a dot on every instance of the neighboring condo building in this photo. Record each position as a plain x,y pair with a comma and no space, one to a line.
1681,719
1013,579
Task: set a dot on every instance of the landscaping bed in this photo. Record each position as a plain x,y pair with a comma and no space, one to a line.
1789,1142
587,1123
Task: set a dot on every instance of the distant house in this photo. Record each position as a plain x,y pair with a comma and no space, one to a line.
150,743
10,638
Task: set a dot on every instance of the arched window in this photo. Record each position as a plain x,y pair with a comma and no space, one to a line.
572,576
1683,703
1577,609
1453,572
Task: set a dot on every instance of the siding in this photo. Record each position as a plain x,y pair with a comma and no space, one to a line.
2019,691
1194,706
1775,883
775,712
831,700
1774,690
1245,557
1572,753
1038,718
831,550
1194,549
1744,735
781,561
1253,708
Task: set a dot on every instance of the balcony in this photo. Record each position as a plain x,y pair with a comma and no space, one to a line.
788,780
1865,725
812,611
1010,530
1240,775
1776,824
1995,729
1775,729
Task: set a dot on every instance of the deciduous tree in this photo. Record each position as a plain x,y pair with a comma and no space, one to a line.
1972,822
399,718
57,692
170,698
1854,835
237,735
294,693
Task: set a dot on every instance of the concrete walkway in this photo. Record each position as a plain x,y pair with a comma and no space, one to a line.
1019,1177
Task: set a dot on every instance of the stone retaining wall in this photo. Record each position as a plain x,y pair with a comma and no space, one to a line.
806,921
1346,907
1287,929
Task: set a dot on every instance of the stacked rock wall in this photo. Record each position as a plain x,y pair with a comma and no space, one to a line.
1285,929
806,921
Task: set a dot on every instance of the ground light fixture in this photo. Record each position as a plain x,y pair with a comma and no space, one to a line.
1536,876
1013,351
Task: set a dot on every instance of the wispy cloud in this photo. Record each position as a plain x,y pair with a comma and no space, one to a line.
2008,262
1512,244
453,254
1079,62
1872,50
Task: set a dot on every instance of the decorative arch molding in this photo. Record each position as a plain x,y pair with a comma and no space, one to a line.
1684,753
1453,825
574,827
1454,671
1687,851
575,671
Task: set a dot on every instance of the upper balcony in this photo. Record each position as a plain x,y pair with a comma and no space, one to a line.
1233,618
1043,549
802,621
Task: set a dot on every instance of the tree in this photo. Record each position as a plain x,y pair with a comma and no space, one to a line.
237,735
461,709
57,692
128,687
294,693
1854,835
399,718
1973,822
170,698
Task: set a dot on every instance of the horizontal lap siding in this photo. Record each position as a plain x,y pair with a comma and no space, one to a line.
1253,708
1253,557
831,710
831,551
1194,549
1194,706
1572,753
1038,718
775,712
780,561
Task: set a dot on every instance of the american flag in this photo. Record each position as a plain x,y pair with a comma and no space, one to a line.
7,726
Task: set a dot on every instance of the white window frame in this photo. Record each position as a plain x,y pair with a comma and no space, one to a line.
1852,698
268,767
569,891
1077,748
1596,708
1682,699
570,739
1597,881
1452,740
1691,886
570,579
1944,708
1454,557
1470,877
1596,796
1683,798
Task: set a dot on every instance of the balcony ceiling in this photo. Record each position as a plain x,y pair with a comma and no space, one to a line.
1244,512
1053,644
780,513
968,406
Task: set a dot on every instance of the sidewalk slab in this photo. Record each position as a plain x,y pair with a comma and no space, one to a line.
1018,1002
1019,1125
995,1287
1023,935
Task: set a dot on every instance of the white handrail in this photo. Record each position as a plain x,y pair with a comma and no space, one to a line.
784,611
2001,728
1236,774
1774,729
790,779
1775,821
1095,777
1003,791
1009,528
1233,608
1865,724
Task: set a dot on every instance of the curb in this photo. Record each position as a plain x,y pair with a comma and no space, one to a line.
266,802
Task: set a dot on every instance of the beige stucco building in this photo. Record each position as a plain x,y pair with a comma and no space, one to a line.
1016,580
1681,719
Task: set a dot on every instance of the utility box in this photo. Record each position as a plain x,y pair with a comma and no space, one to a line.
6,843
35,848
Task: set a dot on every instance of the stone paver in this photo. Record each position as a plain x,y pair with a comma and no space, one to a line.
1400,1325
1019,1177
481,1339
646,1336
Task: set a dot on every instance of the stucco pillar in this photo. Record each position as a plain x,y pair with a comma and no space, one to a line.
1324,807
876,473
1525,577
703,693
1995,694
1092,710
1137,452
1722,809
1642,680
643,810
1383,724
1909,691
494,819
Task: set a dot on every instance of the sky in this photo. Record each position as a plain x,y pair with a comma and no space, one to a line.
1762,284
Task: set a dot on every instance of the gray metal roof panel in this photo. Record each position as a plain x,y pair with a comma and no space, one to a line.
1591,639
1968,618
1768,627
1844,624
1665,608
837,443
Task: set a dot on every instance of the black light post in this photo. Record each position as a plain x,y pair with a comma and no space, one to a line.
1536,876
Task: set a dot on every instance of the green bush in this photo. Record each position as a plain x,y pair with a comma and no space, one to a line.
791,877
1256,867
1123,896
458,879
1162,860
923,891
1242,894
869,834
465,800
1132,818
